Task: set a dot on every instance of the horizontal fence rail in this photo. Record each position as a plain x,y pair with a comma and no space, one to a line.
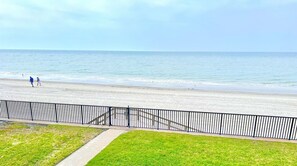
159,119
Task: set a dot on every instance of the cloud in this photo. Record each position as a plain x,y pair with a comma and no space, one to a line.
110,13
148,24
43,13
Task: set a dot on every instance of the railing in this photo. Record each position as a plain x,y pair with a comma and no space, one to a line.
160,119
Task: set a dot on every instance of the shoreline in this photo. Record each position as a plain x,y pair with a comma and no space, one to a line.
147,97
153,88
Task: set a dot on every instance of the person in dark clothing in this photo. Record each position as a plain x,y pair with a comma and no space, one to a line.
31,81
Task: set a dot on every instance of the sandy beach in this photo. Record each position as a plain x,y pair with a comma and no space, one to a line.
177,99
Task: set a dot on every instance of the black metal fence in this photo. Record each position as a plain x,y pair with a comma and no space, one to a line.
160,119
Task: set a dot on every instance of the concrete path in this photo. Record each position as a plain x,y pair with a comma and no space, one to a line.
83,155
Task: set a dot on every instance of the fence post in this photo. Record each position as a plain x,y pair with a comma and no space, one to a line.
221,123
291,128
189,121
105,119
31,111
7,109
82,116
109,117
56,113
255,126
158,119
128,112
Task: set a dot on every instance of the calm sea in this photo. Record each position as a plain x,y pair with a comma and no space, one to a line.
237,71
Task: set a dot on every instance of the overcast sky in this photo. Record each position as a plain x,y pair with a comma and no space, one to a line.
159,25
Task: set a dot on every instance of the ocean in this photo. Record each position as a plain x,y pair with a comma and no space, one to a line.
226,71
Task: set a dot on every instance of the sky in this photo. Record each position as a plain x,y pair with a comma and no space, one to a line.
149,25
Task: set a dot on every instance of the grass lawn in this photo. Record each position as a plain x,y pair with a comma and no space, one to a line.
33,144
156,148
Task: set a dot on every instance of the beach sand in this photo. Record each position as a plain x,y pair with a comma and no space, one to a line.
144,97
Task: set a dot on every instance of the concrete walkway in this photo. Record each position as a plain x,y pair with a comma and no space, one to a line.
83,155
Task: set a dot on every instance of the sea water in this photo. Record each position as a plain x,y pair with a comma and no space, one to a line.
230,71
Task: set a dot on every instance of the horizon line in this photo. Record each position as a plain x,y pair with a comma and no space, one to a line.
164,51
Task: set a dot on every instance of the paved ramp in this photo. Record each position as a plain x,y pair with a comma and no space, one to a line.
83,155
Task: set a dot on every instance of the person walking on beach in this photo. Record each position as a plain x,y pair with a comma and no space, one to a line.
38,81
31,81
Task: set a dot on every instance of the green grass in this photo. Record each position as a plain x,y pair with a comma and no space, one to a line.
31,144
156,148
